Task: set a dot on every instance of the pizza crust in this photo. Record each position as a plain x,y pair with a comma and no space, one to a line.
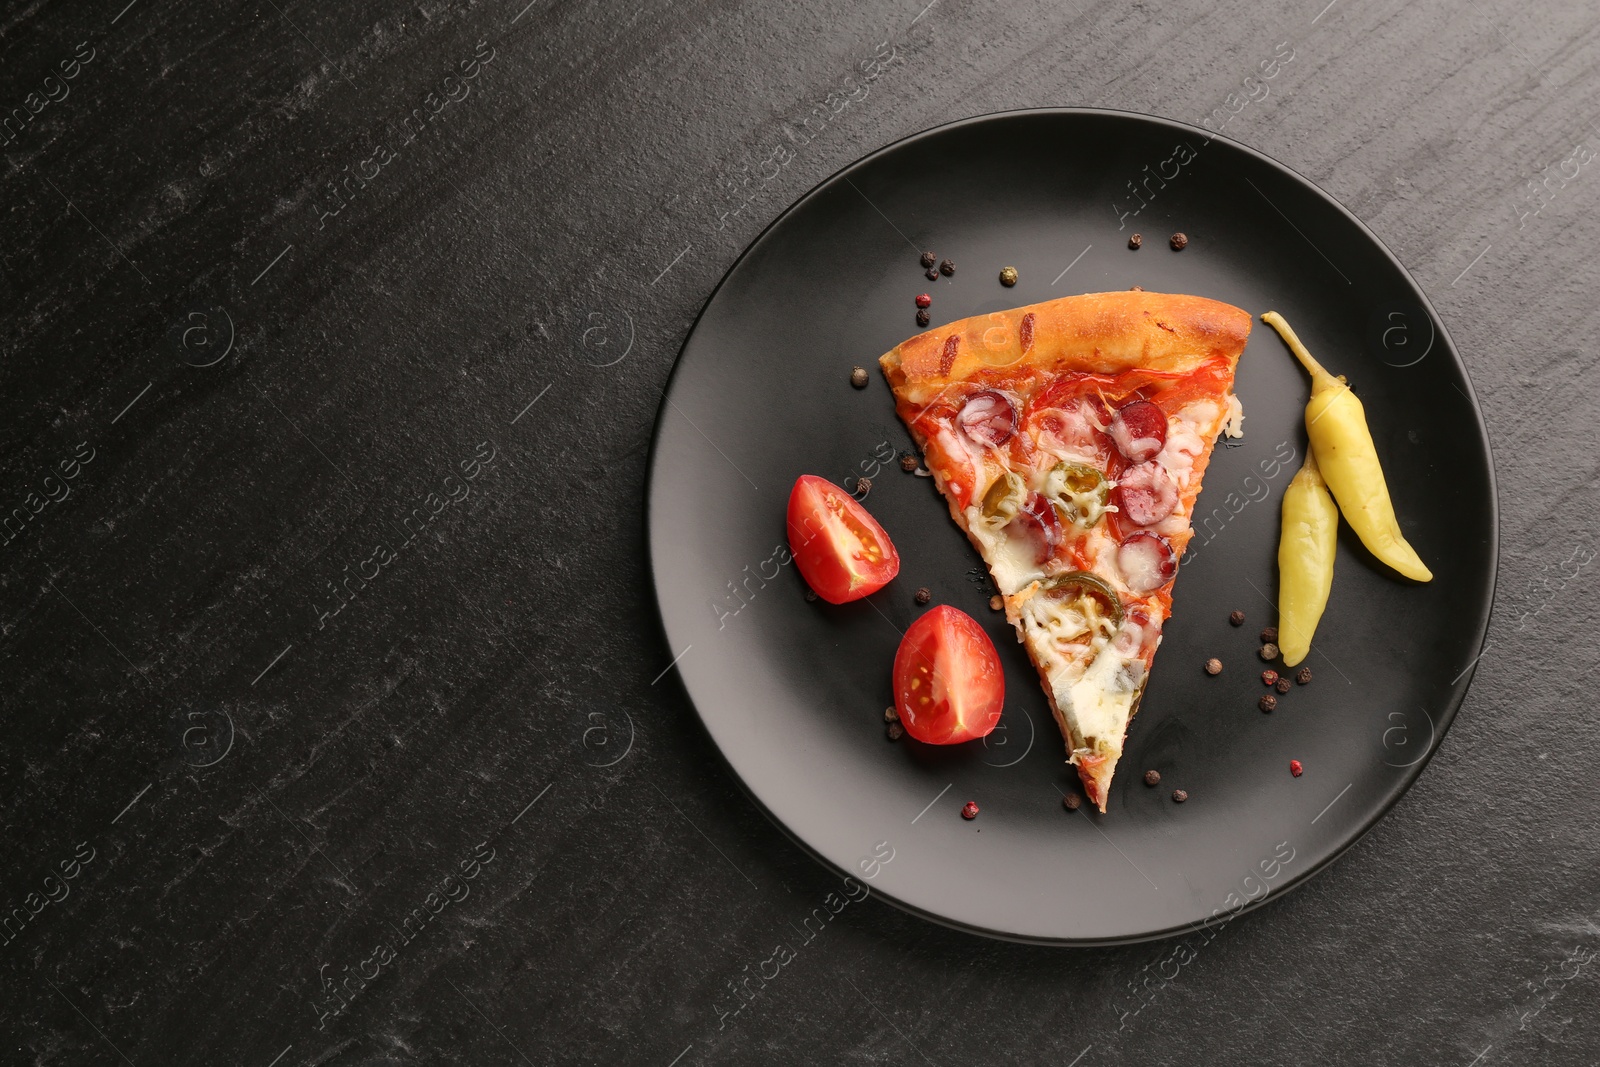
1100,333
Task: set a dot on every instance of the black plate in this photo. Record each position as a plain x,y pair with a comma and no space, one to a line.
793,692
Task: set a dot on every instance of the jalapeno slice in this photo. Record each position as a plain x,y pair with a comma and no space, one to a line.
1080,493
1004,498
1079,585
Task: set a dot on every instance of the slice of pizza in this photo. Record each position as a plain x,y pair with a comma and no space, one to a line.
1069,439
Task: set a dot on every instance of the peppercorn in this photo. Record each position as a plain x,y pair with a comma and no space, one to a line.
1152,777
1213,665
923,318
1136,240
924,300
1269,635
863,487
811,594
1304,677
996,602
1269,677
923,596
908,463
1295,768
1135,288
929,259
932,274
1071,801
1269,703
895,731
1008,276
1269,651
1237,618
890,714
1283,685
969,810
858,377
947,267
1180,241
1179,796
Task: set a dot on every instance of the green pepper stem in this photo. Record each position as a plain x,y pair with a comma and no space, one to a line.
1320,378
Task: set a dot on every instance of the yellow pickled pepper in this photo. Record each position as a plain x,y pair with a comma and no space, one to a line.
1306,549
1336,423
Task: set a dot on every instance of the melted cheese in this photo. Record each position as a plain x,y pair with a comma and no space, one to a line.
1012,560
1234,427
1094,676
1100,703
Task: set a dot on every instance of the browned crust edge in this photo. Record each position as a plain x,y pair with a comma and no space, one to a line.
1102,333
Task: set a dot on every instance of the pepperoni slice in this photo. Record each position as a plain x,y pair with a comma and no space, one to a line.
1147,562
1038,516
1139,430
1146,494
988,418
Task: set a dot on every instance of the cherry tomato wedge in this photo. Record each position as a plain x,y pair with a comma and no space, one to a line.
841,551
948,684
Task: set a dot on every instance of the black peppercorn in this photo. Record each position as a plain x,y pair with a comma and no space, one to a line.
1179,796
1269,703
1152,777
922,595
1304,677
932,274
947,267
1237,618
1136,240
923,318
1180,241
929,259
1269,635
1269,651
908,463
1071,801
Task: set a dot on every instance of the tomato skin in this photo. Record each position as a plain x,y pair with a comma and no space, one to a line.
842,552
948,683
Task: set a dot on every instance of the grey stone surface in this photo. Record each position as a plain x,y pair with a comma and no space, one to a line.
255,794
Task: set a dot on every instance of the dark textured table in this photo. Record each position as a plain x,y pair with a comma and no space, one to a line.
337,725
